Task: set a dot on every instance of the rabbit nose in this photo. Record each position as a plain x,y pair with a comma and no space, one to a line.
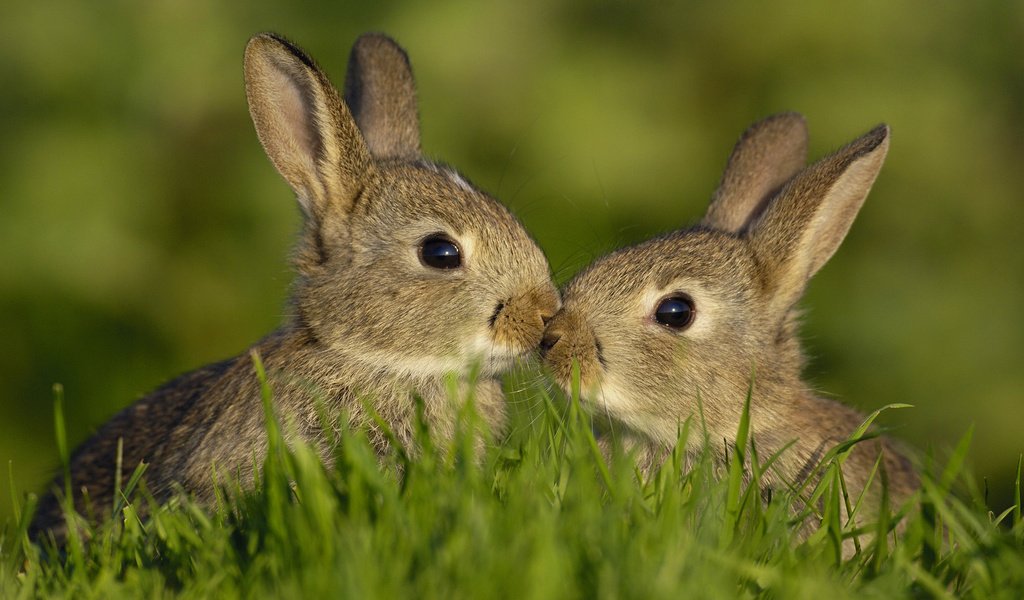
548,341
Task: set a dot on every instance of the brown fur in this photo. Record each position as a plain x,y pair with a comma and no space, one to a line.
369,321
771,226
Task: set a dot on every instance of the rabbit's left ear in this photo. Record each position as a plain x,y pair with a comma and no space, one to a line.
768,155
381,93
803,225
306,130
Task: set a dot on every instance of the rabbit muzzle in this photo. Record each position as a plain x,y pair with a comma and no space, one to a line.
517,324
569,340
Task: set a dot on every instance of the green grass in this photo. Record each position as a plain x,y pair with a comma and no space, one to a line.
542,515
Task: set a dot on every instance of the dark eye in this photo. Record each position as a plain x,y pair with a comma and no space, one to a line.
439,252
676,312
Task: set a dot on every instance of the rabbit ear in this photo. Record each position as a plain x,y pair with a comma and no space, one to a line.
305,129
381,91
804,224
768,154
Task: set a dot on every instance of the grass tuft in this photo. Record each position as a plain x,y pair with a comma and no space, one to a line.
542,515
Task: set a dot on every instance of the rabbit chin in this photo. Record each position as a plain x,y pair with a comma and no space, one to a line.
483,357
614,408
495,358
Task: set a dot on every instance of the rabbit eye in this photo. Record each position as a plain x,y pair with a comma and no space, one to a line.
675,312
439,252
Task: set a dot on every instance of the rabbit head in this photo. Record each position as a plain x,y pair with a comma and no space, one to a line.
689,319
402,264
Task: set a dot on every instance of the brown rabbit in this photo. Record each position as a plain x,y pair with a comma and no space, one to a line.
699,314
405,273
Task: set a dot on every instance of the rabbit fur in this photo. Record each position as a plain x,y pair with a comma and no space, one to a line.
771,225
369,320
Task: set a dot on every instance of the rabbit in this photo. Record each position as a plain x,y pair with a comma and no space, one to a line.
405,274
692,320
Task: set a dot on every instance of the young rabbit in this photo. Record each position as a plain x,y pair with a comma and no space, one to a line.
405,273
701,314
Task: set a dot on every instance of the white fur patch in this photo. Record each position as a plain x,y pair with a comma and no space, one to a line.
422,367
492,358
460,182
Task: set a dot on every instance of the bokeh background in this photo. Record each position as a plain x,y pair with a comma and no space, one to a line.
144,233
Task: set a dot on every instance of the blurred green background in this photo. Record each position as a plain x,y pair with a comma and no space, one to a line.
143,232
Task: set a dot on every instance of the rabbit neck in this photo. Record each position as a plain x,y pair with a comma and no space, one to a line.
313,390
784,419
311,381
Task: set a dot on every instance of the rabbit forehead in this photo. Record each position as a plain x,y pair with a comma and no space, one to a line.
417,199
414,191
713,261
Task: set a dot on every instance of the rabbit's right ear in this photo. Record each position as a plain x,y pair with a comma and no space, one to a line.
769,154
381,92
306,130
803,225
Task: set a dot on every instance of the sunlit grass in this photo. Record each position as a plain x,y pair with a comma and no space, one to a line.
544,515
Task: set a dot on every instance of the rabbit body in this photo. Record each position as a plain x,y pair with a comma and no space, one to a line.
770,226
406,274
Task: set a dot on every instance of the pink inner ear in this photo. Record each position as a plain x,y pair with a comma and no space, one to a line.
295,116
